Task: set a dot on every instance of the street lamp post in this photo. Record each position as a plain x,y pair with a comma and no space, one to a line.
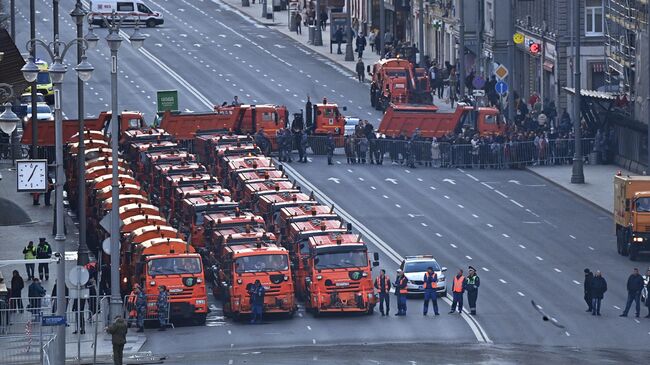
114,24
318,35
349,56
57,51
577,173
78,15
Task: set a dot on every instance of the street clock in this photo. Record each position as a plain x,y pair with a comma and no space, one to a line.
32,175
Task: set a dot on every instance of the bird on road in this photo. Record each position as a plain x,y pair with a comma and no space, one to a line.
545,317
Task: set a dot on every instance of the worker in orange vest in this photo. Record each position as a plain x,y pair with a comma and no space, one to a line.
382,284
400,292
457,291
430,293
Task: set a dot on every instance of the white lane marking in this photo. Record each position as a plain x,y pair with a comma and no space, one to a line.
617,307
485,184
420,179
460,206
394,181
489,225
461,170
452,182
576,282
472,177
424,224
373,188
531,212
432,188
313,340
539,258
469,257
474,215
567,333
557,270
232,345
591,248
521,294
485,269
447,197
528,222
361,179
503,281
230,362
407,171
505,235
438,234
522,246
309,328
385,196
452,245
299,314
636,320
229,332
502,194
516,203
349,170
397,205
572,236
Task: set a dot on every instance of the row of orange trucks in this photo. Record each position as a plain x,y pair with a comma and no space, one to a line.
220,218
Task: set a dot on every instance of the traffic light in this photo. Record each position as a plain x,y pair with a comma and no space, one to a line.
535,48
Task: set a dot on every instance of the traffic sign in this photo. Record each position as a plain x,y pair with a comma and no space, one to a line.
501,72
106,245
78,276
53,321
106,222
501,88
518,38
167,100
478,82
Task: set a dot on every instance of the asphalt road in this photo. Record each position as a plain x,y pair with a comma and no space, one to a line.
529,240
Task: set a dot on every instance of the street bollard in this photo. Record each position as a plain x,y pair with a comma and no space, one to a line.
311,31
245,3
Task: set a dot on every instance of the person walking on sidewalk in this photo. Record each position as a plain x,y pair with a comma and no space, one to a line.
598,289
118,330
589,277
298,23
43,251
360,68
338,38
361,44
371,40
634,287
17,286
430,285
457,290
382,284
472,283
323,20
29,253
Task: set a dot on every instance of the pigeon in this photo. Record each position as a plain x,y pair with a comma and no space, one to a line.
546,317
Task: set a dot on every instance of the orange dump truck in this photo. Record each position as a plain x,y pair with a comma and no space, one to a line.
407,118
190,215
214,222
338,275
242,265
268,206
632,214
397,81
253,190
303,213
173,263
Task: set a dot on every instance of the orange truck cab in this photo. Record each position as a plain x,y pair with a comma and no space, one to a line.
143,135
128,120
337,274
242,178
192,210
171,182
208,190
225,220
268,206
229,236
206,143
242,265
327,118
406,118
140,153
132,223
225,154
252,191
397,81
632,215
246,164
239,119
154,163
303,213
164,176
173,263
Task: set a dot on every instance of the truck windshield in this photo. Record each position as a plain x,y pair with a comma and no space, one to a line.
175,265
43,78
336,260
260,263
643,205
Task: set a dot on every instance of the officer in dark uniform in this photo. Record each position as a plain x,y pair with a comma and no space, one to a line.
330,148
141,308
400,292
308,114
472,282
430,285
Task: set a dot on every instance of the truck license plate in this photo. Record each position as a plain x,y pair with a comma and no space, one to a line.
342,284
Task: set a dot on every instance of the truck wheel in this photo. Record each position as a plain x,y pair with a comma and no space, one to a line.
371,310
199,319
151,23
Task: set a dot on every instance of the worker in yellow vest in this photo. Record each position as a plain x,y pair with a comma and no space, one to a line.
430,293
457,291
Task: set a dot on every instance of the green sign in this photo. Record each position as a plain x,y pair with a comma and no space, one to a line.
167,100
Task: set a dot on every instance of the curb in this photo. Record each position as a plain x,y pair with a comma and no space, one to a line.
593,204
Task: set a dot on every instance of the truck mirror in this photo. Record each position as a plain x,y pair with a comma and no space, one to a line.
375,256
280,168
368,69
345,108
375,264
349,227
318,112
444,269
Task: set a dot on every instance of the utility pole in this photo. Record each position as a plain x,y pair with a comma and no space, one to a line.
511,63
32,35
12,4
461,47
648,99
421,33
318,35
349,55
577,174
382,29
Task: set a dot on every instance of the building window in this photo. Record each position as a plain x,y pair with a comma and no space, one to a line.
594,18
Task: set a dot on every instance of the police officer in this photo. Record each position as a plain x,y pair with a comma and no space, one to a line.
288,144
330,145
472,282
382,284
163,307
303,146
279,138
400,292
30,254
43,251
140,307
457,291
430,286
257,292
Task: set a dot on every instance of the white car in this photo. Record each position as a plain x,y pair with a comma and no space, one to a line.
414,268
43,112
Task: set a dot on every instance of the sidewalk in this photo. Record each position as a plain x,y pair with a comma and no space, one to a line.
280,24
599,182
14,238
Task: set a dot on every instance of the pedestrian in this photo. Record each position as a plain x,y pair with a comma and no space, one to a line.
388,39
400,292
472,282
323,20
371,40
360,68
48,191
54,296
235,101
349,149
430,285
298,23
29,253
363,150
331,146
35,293
338,38
308,113
118,330
132,313
647,291
17,286
589,277
263,141
598,289
453,87
288,144
80,314
304,142
163,307
140,307
435,152
361,44
382,284
279,138
43,251
457,290
257,293
634,288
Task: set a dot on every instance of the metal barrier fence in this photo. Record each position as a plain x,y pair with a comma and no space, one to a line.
17,350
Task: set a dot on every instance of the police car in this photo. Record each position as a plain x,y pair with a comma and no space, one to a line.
414,268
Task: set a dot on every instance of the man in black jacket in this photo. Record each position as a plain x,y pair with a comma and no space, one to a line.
589,276
634,287
598,289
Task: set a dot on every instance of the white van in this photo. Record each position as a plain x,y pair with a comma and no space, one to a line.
135,10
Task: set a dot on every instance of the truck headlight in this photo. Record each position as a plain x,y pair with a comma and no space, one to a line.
152,283
200,301
319,277
365,274
370,295
638,239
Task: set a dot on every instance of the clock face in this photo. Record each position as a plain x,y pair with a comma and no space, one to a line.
32,175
